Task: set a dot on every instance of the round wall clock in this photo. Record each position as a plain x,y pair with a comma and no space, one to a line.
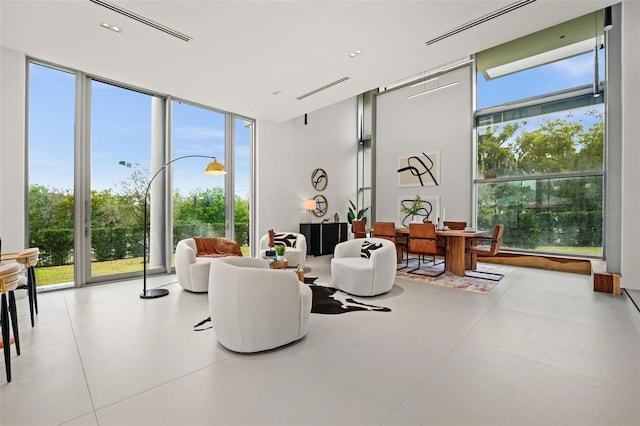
319,179
321,206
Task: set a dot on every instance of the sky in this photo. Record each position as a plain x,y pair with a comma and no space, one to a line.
121,126
121,131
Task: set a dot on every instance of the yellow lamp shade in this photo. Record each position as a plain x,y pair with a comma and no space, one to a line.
215,168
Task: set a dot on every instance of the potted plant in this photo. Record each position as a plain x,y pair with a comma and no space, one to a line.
280,248
352,215
412,209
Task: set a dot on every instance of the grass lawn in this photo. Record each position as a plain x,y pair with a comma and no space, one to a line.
583,251
64,274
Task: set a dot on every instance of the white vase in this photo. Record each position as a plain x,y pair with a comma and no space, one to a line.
280,258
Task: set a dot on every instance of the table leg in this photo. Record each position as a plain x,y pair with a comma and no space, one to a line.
470,260
455,255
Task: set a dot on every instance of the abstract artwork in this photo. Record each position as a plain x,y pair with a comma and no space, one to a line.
419,170
429,210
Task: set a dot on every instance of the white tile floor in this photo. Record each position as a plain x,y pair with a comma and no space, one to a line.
541,348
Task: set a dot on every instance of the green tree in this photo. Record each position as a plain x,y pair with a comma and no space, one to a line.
495,151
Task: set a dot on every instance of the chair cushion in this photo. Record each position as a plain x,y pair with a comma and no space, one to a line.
287,239
367,248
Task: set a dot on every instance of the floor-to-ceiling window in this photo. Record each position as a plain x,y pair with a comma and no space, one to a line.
243,135
120,151
94,147
198,200
50,171
540,140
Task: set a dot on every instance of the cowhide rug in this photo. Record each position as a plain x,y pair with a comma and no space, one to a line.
326,300
331,301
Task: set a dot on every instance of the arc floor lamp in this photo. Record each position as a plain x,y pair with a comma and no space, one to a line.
213,168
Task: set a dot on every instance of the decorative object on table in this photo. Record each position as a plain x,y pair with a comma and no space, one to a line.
322,205
213,168
448,279
319,179
280,248
419,170
336,217
418,210
360,215
309,205
272,239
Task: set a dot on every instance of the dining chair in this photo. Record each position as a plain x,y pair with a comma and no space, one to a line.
455,225
387,231
359,230
11,277
422,241
452,225
487,251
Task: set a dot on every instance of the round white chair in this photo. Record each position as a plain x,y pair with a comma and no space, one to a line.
364,266
295,243
254,308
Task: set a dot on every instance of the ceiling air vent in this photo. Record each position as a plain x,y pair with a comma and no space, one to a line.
142,19
320,89
481,20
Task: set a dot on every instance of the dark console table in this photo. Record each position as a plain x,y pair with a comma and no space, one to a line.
323,237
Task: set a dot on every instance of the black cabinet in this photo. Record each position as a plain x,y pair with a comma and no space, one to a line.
323,237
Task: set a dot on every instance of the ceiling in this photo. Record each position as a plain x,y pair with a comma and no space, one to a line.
255,58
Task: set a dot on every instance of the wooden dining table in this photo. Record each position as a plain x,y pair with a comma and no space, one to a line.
457,260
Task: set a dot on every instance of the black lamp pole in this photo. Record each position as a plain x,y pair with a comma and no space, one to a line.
155,292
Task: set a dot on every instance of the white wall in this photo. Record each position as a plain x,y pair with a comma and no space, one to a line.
290,151
12,152
630,146
438,121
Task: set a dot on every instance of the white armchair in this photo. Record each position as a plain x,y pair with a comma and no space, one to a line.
296,246
192,270
254,308
364,276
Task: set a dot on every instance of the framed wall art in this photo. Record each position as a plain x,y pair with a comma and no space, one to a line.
421,169
319,179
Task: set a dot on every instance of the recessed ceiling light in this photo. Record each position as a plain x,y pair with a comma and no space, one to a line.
353,54
110,27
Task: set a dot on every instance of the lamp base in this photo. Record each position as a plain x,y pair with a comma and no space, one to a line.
153,293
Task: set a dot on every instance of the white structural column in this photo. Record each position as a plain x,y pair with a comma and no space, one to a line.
157,199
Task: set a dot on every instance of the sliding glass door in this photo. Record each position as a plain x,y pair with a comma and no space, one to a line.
50,221
198,199
121,137
94,149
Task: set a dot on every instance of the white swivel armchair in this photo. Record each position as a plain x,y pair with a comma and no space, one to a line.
254,308
192,271
364,266
296,246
